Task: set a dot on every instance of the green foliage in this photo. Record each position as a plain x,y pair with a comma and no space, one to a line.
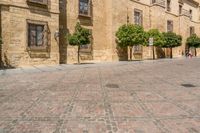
171,40
73,40
193,41
81,36
130,35
158,38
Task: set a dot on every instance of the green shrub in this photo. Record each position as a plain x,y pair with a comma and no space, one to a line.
81,36
193,41
158,38
129,35
171,40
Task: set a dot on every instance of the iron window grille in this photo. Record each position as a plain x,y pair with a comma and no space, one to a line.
84,7
169,26
38,35
138,17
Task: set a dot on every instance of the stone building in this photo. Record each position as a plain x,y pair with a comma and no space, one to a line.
28,29
104,17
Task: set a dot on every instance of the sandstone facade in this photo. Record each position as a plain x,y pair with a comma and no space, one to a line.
15,18
21,22
107,16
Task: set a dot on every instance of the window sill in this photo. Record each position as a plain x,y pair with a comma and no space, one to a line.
86,16
38,52
45,3
37,49
137,52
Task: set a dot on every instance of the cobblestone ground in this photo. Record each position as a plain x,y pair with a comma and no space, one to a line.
126,97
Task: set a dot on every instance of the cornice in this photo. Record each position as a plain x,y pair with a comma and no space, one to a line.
26,7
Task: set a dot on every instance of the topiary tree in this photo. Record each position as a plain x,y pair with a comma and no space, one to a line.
193,41
171,40
158,38
129,35
81,36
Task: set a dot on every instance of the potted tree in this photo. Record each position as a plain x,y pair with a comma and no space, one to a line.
171,40
158,38
130,35
81,36
193,41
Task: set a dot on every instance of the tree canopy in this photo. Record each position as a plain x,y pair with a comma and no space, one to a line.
171,40
130,35
158,38
193,41
81,36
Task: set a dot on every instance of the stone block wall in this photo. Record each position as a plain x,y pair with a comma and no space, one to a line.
14,17
156,16
107,16
99,25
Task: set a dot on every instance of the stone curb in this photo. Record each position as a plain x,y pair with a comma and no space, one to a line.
62,67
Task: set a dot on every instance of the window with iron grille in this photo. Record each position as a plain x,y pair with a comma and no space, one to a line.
192,30
153,1
38,35
168,5
84,7
190,14
138,17
199,13
180,9
35,35
137,49
169,26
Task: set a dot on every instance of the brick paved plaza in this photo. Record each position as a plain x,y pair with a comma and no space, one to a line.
126,97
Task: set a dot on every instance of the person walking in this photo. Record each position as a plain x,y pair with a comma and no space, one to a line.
190,54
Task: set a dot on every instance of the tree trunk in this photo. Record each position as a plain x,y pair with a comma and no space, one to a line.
1,66
131,52
78,54
171,53
195,52
153,53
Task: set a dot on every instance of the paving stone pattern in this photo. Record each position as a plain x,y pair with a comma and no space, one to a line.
125,97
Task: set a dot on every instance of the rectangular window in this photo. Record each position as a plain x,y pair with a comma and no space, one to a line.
180,9
43,2
190,14
168,5
137,49
153,1
192,30
84,7
169,26
35,35
199,13
138,17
